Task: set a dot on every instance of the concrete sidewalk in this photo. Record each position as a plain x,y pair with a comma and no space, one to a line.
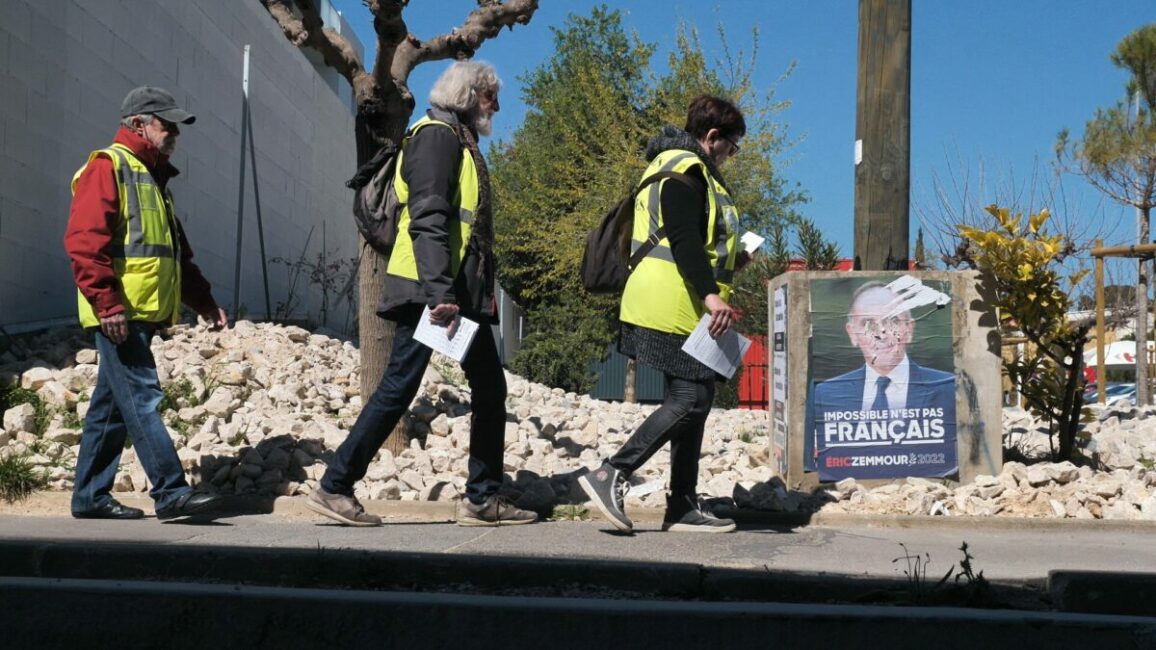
1101,573
1009,551
56,504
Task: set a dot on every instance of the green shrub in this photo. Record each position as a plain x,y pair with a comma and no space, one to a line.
174,392
69,418
570,512
726,393
565,339
183,429
14,396
19,478
1023,267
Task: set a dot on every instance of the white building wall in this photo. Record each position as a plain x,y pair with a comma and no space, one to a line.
65,66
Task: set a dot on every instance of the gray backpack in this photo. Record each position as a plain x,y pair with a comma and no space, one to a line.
376,209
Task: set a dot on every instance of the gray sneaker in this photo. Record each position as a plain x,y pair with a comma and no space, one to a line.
607,487
495,511
683,515
339,507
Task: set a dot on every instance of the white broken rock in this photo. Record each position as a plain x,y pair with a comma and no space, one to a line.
35,377
21,417
301,396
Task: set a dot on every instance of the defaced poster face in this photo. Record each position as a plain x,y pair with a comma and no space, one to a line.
881,391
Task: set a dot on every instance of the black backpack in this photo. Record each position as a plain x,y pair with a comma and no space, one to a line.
606,261
376,209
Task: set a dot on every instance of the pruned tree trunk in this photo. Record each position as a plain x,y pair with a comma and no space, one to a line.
384,100
376,337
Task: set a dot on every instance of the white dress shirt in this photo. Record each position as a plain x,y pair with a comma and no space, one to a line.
896,390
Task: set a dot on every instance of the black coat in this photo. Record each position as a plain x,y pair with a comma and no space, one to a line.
430,167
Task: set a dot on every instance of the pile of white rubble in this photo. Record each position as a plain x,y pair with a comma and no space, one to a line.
261,408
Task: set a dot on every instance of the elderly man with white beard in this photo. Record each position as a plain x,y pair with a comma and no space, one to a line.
443,259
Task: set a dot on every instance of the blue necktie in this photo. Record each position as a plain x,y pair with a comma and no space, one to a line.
880,403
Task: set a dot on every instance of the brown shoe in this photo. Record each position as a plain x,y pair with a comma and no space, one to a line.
339,507
495,511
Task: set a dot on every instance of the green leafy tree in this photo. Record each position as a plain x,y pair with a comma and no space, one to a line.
750,295
817,252
563,361
1117,155
1021,262
755,177
578,149
591,110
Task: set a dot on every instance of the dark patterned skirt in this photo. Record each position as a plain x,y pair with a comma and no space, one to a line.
662,351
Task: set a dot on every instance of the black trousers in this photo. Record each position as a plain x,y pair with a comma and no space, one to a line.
680,420
400,383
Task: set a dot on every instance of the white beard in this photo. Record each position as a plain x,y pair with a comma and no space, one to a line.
484,124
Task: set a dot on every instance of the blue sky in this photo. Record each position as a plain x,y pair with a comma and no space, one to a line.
993,82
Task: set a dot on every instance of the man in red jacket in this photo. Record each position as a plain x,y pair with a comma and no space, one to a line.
133,268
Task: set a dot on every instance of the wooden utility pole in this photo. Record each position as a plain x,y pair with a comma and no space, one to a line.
882,136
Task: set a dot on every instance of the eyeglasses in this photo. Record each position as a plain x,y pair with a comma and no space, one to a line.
734,145
879,326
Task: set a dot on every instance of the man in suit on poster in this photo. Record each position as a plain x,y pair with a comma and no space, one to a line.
889,385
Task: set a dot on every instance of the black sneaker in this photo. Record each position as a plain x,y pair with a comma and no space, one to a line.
607,488
683,515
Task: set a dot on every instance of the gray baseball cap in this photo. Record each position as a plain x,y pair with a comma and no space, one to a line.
154,101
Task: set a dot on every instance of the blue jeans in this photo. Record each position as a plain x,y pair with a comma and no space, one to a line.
400,383
124,404
680,420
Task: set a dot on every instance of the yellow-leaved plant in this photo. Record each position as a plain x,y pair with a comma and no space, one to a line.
1022,264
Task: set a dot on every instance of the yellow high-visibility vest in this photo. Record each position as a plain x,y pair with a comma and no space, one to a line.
656,295
146,255
402,261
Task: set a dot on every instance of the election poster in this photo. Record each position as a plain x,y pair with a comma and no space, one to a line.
881,384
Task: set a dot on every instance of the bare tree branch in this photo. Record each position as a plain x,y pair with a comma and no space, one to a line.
309,31
482,24
383,98
391,32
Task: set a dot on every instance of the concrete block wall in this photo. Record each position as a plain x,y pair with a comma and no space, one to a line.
65,66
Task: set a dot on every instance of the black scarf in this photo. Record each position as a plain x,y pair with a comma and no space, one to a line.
482,232
672,137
